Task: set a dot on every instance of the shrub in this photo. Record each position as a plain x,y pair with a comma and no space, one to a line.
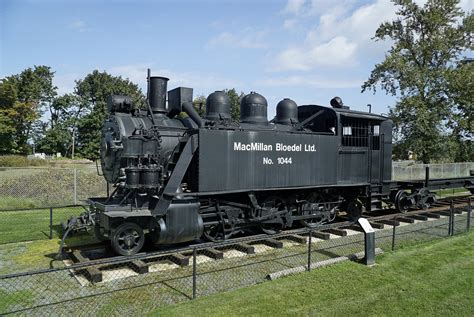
20,161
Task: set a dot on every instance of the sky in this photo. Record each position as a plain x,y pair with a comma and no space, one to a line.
306,50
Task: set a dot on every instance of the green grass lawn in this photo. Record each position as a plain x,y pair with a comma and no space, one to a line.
451,192
24,238
433,278
27,225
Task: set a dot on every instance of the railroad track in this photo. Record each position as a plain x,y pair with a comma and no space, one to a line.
98,258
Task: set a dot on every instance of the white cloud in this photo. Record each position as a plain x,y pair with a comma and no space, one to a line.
78,25
203,83
340,37
290,24
467,5
65,82
338,51
246,38
294,6
308,9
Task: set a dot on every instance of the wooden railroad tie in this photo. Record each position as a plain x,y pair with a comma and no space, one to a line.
244,247
419,217
179,259
272,243
337,232
95,275
389,222
212,253
444,213
355,228
296,238
377,225
139,266
432,215
320,235
406,219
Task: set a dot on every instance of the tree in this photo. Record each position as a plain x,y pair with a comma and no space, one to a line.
460,90
22,98
93,92
428,43
56,137
234,103
199,103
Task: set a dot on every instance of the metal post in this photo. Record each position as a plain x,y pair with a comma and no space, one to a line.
75,186
394,233
451,219
469,211
194,273
73,141
427,176
309,250
50,222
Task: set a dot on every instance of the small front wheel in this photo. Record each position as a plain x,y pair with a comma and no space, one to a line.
127,239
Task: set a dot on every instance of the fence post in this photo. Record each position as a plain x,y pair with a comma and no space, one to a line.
75,187
50,223
451,219
469,210
309,249
394,233
194,273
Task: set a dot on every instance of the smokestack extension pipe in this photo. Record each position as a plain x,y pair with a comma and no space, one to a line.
157,94
189,109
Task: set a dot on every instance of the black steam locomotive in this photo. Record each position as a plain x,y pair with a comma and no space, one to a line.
180,178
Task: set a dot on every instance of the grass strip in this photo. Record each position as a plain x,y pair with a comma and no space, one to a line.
430,279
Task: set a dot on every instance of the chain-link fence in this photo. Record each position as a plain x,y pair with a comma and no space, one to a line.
35,224
138,284
36,187
410,171
42,187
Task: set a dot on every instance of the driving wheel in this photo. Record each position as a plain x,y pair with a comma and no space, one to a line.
127,239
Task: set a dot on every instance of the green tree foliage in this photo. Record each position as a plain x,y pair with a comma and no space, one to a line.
56,137
460,90
199,104
22,99
234,103
93,92
420,69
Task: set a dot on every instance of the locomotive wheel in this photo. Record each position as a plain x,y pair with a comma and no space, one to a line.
402,204
127,239
315,221
275,204
354,210
214,233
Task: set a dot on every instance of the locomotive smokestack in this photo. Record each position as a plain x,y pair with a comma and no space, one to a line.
157,94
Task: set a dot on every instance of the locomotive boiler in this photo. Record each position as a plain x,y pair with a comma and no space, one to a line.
179,177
